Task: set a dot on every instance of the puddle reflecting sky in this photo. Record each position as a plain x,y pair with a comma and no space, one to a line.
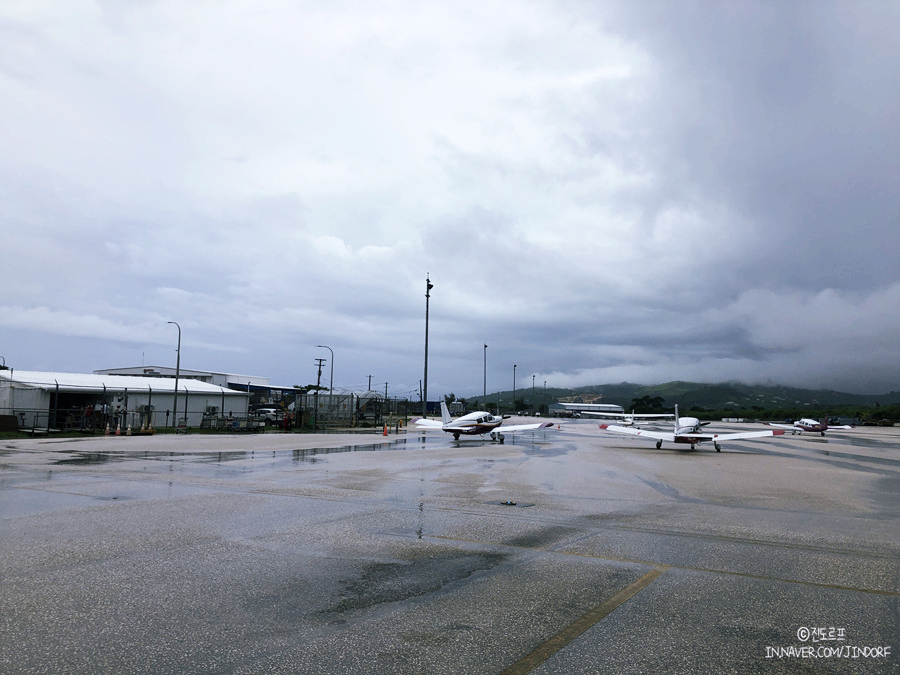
242,461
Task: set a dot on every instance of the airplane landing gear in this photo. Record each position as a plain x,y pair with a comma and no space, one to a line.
718,449
658,444
455,437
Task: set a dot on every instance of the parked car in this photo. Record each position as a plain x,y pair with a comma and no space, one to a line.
269,415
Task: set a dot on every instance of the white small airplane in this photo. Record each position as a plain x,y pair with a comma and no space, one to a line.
806,424
687,430
473,424
630,419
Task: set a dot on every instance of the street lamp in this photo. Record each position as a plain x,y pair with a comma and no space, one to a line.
177,373
428,287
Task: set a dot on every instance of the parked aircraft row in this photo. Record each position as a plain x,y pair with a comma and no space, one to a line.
806,424
686,430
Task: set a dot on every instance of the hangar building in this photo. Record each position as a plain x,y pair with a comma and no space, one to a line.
90,401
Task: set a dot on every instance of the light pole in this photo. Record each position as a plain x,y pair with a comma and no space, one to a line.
330,386
532,390
514,387
177,373
484,393
428,287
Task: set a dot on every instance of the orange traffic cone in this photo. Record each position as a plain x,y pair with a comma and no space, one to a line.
119,429
385,430
106,433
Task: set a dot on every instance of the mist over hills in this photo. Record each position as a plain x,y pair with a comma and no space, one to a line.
734,395
737,395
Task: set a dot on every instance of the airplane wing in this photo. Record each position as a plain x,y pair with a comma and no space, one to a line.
523,427
662,436
634,431
734,437
628,416
780,426
428,425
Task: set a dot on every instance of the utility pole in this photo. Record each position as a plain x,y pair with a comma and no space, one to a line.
331,381
318,383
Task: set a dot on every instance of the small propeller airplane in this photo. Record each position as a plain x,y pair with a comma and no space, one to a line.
806,424
688,430
630,419
474,424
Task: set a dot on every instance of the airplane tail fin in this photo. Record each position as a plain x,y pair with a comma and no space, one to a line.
445,414
676,418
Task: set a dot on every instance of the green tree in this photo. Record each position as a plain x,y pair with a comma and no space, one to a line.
647,404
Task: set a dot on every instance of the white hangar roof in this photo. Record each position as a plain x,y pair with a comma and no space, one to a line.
84,382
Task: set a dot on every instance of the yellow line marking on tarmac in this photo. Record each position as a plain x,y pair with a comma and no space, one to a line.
689,568
549,647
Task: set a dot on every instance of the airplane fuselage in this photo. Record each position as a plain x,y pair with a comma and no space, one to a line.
687,425
473,424
811,425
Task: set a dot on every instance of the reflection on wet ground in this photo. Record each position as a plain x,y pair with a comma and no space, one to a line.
312,454
531,446
91,458
78,457
381,583
817,453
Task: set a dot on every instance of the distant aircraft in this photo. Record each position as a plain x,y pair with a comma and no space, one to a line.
806,424
474,424
630,419
687,430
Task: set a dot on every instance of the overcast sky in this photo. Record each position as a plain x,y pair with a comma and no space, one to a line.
599,191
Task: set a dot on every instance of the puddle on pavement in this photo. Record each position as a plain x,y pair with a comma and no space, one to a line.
381,583
80,458
311,454
242,461
84,458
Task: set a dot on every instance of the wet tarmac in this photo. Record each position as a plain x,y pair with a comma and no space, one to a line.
566,550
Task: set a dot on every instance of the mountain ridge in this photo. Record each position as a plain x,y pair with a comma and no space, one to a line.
736,395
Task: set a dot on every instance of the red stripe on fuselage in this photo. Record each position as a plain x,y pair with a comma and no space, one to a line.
475,429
